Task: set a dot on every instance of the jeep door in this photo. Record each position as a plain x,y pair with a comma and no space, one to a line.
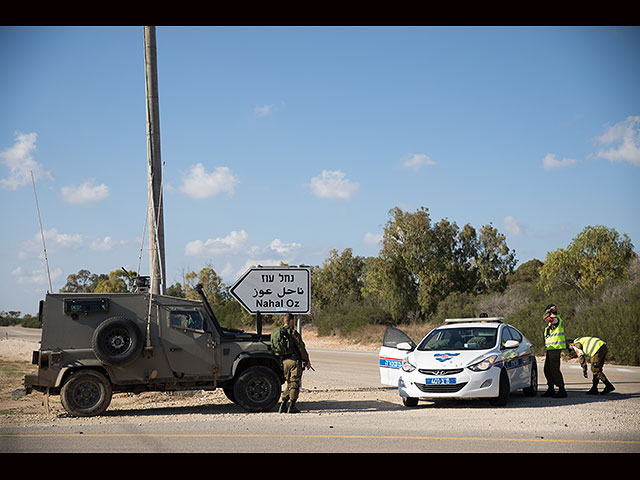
188,345
391,356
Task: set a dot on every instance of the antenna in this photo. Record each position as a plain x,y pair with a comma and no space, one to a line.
144,232
46,260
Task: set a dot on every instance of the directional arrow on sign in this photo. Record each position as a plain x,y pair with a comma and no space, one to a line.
274,290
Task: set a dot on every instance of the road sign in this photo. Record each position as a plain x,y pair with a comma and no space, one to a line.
274,290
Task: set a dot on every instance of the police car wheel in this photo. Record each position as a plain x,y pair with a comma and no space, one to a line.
503,393
410,401
532,390
86,393
117,341
257,389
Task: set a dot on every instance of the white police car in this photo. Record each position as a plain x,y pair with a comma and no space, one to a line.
465,358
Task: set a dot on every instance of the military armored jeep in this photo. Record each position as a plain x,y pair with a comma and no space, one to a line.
95,344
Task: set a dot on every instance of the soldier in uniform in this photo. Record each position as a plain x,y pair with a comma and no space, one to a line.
293,364
596,350
555,342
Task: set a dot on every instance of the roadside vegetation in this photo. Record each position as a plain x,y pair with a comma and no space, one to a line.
426,272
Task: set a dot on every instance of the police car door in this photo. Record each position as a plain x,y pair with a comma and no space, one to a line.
525,357
391,356
512,358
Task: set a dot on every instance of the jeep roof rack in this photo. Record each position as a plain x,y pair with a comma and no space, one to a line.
479,319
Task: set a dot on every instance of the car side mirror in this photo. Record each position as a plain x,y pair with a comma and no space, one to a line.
511,344
404,346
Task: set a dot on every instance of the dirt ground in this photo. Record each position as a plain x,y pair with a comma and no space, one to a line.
16,408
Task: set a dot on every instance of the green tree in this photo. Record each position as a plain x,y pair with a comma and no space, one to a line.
494,261
528,272
595,256
421,263
83,281
340,279
175,290
212,286
118,281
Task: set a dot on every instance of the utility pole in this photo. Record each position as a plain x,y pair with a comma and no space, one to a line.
156,216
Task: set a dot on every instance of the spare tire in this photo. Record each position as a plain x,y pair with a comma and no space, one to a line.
117,341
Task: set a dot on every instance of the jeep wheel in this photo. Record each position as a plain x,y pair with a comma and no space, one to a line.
86,393
117,341
257,389
228,391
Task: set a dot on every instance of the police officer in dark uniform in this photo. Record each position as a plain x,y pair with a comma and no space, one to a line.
555,342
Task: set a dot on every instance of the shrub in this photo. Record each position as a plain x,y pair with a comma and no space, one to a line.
346,317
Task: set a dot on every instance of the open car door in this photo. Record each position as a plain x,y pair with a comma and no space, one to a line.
391,356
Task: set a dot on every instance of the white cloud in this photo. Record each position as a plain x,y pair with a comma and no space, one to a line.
227,271
105,244
549,162
264,110
231,244
333,184
198,183
19,160
39,277
513,226
372,238
625,136
417,161
85,193
53,241
283,248
252,262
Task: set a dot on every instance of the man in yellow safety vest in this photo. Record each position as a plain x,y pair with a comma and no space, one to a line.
555,342
596,350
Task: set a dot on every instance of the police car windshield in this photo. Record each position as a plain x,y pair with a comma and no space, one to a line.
459,338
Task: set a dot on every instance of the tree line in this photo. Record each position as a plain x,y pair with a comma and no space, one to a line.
427,271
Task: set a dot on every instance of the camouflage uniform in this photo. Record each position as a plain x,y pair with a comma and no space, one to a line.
596,350
293,366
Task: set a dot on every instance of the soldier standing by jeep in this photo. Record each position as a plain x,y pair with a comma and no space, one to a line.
287,343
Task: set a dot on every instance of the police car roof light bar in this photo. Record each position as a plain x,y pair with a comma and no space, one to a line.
469,320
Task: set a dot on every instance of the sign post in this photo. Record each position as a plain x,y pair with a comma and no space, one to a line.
271,290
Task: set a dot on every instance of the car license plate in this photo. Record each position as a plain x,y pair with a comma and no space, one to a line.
440,381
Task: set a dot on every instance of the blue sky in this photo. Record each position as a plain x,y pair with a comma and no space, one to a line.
281,144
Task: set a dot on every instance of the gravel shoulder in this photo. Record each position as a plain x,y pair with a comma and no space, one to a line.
615,417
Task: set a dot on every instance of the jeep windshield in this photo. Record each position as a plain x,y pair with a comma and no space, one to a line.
459,338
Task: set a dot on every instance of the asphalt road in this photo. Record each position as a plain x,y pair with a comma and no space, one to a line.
346,410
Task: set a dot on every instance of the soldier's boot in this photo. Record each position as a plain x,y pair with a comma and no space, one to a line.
284,406
293,408
562,393
608,387
550,392
594,388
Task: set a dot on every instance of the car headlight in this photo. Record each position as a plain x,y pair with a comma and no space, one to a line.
484,364
407,366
